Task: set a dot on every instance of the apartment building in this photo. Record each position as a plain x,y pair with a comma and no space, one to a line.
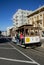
36,18
20,17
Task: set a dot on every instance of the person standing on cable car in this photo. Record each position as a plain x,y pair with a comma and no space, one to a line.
21,38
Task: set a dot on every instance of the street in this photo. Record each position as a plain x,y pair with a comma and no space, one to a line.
12,54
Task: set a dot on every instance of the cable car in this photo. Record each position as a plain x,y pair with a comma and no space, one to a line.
31,36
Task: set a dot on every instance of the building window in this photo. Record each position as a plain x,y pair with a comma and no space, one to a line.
21,12
16,20
32,19
16,23
37,17
16,16
40,15
40,22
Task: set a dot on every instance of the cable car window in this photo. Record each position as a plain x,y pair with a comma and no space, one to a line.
36,32
26,31
32,33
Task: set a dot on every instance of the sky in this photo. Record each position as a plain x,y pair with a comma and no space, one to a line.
9,7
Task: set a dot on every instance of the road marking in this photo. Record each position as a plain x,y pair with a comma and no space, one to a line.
33,61
15,60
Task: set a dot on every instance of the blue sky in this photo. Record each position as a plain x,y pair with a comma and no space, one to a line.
9,7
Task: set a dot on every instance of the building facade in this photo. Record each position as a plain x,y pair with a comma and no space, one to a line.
20,17
10,31
4,33
36,18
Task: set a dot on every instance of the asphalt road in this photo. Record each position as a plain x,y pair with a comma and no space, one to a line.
11,54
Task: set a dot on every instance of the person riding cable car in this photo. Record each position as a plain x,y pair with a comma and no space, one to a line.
21,38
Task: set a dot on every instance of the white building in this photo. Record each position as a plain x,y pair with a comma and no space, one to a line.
4,33
20,17
9,30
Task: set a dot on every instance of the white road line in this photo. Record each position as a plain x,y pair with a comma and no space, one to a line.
24,54
15,60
